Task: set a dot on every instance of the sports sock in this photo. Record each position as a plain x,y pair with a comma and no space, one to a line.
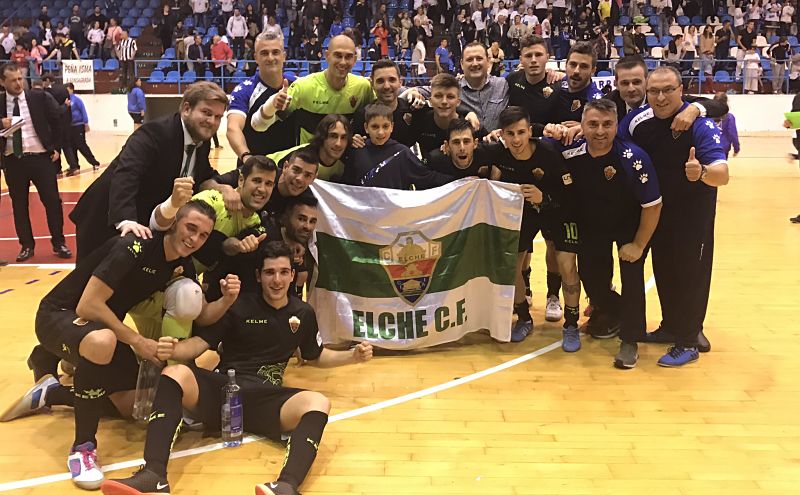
526,277
553,284
571,315
302,447
163,424
60,395
523,311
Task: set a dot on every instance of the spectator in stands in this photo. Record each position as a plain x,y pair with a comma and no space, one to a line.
61,28
547,31
498,33
113,37
738,16
381,34
722,40
727,123
97,16
690,47
38,53
444,58
752,71
425,23
787,13
47,36
337,28
200,13
479,21
136,103
496,57
226,9
126,53
374,50
640,41
221,56
112,9
196,53
584,29
754,14
77,135
358,10
772,17
165,25
7,43
313,53
44,17
779,53
745,40
707,50
515,33
237,32
602,48
252,19
65,49
96,38
75,23
272,26
628,44
19,55
674,51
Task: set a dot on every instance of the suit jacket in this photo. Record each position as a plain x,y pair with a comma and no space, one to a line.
46,115
714,109
139,178
193,53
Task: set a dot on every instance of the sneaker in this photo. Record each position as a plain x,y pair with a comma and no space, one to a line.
33,401
599,327
571,341
521,330
795,219
660,336
143,481
553,311
191,424
82,464
678,356
627,356
276,488
703,345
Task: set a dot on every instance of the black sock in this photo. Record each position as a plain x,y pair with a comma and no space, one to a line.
553,284
526,277
60,395
523,311
42,362
163,424
571,316
302,447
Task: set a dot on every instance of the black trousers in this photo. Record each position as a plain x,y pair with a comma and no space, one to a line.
126,73
77,139
39,170
596,268
683,251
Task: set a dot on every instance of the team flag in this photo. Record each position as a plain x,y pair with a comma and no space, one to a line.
408,269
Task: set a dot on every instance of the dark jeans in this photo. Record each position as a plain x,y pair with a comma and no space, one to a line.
77,139
20,172
127,71
237,45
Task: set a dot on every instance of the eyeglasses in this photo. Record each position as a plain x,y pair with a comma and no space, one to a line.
665,91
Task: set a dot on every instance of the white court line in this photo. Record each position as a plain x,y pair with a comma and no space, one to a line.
53,478
37,237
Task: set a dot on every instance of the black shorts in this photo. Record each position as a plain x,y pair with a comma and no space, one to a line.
261,402
137,117
562,233
61,331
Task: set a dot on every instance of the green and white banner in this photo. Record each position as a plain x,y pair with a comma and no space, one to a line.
407,269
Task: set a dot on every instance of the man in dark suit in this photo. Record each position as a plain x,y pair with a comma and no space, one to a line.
28,156
631,74
122,199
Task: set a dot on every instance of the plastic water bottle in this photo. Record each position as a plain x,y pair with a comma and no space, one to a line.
232,413
146,384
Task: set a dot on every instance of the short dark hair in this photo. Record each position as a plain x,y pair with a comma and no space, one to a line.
259,162
459,125
8,66
631,62
583,48
69,85
531,40
48,77
273,250
198,206
306,153
305,199
444,80
601,105
374,110
512,115
473,44
327,123
384,63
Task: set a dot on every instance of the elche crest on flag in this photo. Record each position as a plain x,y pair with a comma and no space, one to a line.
410,261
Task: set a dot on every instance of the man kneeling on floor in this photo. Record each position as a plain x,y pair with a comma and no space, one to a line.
259,359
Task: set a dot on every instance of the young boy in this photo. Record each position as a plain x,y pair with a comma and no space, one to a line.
383,162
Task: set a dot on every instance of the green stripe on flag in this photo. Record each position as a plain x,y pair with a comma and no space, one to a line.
482,250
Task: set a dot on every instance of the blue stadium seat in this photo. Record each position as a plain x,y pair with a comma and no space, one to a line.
111,64
85,54
624,21
208,76
722,76
239,76
156,76
142,22
50,66
648,11
126,4
604,73
128,22
147,12
141,3
652,41
683,21
617,41
665,40
134,12
358,67
772,39
212,31
135,32
169,54
189,77
793,40
164,65
653,20
697,21
173,76
97,64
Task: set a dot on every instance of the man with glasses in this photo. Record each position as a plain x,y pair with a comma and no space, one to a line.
690,166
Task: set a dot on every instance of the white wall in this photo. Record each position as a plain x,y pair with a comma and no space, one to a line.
754,113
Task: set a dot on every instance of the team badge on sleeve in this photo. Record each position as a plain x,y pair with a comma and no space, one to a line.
576,104
609,172
407,118
538,173
547,91
294,323
567,179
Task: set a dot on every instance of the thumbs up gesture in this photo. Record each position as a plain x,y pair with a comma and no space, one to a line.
250,243
282,98
693,167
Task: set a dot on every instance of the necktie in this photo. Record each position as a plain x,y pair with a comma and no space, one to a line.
189,152
16,139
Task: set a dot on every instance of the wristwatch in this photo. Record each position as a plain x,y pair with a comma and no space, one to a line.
703,171
244,155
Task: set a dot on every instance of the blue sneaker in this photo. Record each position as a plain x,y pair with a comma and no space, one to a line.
521,330
678,356
33,401
572,339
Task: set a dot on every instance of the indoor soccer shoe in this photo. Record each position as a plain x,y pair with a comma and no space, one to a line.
276,488
627,356
679,356
660,336
143,482
33,401
553,310
571,340
83,466
521,330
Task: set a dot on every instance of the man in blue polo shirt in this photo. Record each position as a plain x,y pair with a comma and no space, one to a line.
444,59
77,134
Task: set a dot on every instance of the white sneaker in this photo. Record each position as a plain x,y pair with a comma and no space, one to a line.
553,311
83,466
33,401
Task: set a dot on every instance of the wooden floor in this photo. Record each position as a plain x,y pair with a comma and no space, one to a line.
555,423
